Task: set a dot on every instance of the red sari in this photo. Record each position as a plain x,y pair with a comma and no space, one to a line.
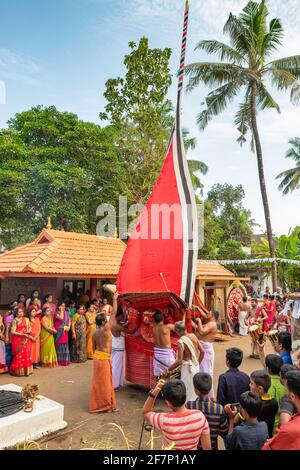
21,364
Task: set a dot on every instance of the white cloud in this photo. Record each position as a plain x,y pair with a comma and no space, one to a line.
18,67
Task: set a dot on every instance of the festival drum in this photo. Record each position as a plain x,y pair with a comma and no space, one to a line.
254,331
273,337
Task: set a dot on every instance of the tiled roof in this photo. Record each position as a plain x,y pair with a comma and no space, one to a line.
65,253
212,270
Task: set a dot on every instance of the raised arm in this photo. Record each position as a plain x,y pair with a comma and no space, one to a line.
179,358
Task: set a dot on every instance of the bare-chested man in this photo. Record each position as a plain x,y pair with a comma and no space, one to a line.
102,396
164,355
118,328
189,354
206,333
244,314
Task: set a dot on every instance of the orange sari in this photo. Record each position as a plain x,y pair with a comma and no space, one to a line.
89,334
35,346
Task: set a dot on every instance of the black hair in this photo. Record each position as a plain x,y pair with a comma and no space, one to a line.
174,391
28,311
61,303
251,403
293,382
234,356
100,319
44,311
274,363
202,382
285,340
216,314
16,311
19,296
266,296
35,290
158,316
245,298
119,311
272,297
285,369
47,297
261,378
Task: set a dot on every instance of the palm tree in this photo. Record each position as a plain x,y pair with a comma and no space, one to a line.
291,178
244,67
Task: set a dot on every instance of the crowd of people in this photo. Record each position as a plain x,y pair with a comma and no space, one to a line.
250,413
37,332
260,411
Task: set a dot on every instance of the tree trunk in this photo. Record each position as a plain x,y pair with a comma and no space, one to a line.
261,173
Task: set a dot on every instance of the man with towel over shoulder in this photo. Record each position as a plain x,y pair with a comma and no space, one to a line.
164,355
189,355
206,333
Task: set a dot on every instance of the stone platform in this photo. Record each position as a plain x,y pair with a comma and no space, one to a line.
47,417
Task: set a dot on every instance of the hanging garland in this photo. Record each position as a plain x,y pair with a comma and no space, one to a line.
250,261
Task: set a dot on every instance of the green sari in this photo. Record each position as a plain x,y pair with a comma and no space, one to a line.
48,351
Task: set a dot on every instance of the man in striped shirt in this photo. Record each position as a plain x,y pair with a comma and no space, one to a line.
182,427
214,412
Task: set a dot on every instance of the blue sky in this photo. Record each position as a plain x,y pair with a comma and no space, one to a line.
62,52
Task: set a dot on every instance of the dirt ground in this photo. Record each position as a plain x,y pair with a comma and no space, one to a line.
70,387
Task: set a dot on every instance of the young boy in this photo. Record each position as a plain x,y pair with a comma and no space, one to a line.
276,390
234,382
287,407
288,436
260,383
284,347
180,426
251,434
214,413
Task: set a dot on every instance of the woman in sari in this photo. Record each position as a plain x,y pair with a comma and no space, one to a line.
3,366
49,303
8,319
91,326
21,343
36,305
48,351
35,326
78,348
62,324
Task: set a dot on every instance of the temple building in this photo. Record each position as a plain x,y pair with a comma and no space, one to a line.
59,261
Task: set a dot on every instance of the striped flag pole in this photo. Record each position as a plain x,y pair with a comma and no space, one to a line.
183,47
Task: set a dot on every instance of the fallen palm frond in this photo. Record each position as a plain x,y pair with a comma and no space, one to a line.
28,445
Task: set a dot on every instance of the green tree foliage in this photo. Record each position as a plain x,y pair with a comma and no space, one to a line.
137,106
287,247
245,67
291,178
235,221
53,164
231,249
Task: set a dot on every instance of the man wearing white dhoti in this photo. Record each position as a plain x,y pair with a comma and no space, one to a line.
164,355
118,330
206,333
244,314
189,355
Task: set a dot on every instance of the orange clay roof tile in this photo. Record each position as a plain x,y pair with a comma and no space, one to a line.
55,252
213,270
